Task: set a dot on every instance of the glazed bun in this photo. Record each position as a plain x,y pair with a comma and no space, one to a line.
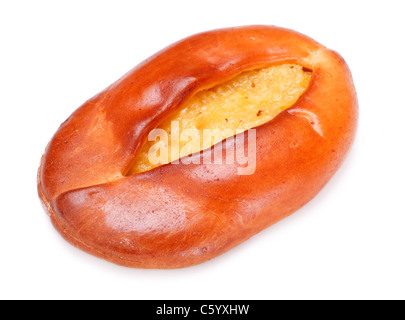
115,190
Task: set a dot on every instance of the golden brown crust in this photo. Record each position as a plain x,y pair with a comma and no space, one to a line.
149,220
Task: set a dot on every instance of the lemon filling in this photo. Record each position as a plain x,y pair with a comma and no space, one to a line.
244,102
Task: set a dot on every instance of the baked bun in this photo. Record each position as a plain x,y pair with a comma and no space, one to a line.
104,197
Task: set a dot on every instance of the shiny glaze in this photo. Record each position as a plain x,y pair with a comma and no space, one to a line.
181,215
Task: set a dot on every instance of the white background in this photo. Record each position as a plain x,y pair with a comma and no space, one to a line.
348,243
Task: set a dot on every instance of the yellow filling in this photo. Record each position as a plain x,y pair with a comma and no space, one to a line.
244,102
